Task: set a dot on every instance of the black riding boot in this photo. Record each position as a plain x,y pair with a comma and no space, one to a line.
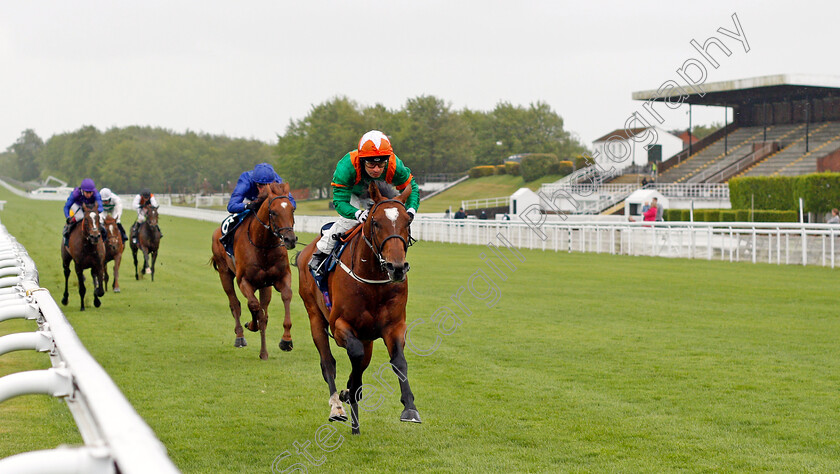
316,264
66,234
122,232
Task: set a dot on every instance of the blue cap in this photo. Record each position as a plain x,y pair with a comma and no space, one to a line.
88,185
263,173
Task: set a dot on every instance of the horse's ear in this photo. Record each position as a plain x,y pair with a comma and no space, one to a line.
403,197
373,189
284,188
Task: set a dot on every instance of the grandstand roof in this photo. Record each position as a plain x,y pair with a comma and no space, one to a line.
622,133
755,89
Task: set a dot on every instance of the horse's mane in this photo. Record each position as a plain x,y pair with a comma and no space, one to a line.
388,191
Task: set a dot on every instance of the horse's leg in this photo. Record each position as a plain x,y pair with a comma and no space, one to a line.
117,260
81,276
98,273
284,286
226,276
265,300
65,261
107,277
134,254
154,258
345,337
146,268
394,337
256,312
318,326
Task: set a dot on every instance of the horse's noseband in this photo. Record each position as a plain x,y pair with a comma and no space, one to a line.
276,231
377,249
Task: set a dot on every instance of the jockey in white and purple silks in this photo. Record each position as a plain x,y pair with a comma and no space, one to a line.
85,194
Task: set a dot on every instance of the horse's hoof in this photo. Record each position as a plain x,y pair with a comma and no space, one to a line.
339,417
410,415
264,355
82,308
64,301
286,345
116,290
148,271
356,431
249,324
240,342
136,277
97,303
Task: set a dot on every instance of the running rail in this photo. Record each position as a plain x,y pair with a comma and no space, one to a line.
116,438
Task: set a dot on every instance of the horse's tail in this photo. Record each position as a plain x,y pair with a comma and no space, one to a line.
295,260
213,262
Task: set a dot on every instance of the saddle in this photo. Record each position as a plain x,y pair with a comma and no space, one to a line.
229,226
332,259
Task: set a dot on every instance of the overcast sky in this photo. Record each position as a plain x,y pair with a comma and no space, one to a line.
246,68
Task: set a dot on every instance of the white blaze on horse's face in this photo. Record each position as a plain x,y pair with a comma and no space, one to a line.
284,205
392,213
92,219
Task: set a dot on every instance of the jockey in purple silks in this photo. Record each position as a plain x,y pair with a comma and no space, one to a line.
85,194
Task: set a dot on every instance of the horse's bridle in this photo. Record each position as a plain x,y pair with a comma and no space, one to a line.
377,249
276,231
90,237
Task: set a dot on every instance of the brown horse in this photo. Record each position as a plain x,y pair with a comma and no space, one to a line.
260,262
369,294
86,250
148,241
114,247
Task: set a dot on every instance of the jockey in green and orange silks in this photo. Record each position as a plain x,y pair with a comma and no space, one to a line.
373,160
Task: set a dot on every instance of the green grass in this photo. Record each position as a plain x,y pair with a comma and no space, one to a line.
585,362
480,188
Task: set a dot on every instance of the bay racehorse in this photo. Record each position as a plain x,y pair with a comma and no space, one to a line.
114,247
260,261
368,294
85,250
148,242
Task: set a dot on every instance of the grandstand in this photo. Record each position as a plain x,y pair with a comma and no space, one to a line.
782,126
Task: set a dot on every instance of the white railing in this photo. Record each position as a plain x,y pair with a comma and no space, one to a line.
116,438
486,202
778,243
693,190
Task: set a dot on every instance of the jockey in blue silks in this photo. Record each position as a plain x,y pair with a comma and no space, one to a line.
85,194
247,187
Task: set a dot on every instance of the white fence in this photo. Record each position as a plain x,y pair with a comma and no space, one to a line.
116,438
778,243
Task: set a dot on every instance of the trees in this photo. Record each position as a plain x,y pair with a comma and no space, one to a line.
433,139
26,150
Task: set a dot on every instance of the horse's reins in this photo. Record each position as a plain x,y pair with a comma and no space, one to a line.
277,232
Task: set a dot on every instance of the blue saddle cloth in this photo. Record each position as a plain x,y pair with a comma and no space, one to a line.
330,262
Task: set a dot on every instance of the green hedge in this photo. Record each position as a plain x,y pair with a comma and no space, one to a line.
536,165
731,215
561,168
500,169
820,191
481,171
512,168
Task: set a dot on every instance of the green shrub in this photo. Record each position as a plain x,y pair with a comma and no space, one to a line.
536,165
775,216
685,215
481,171
711,215
673,214
512,168
728,215
564,168
500,169
820,192
742,215
581,162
